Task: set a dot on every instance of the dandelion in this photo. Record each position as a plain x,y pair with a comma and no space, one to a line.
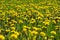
34,38
48,14
53,32
34,32
35,28
50,39
13,31
12,25
15,14
40,14
20,21
14,21
42,34
13,28
57,27
54,21
14,36
32,20
45,38
24,29
2,37
46,22
16,33
52,36
44,27
39,17
7,30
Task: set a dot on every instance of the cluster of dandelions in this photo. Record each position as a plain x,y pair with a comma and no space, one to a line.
21,20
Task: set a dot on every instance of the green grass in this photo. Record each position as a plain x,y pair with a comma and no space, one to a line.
29,11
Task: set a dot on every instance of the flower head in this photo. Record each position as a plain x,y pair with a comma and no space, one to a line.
53,32
42,34
2,37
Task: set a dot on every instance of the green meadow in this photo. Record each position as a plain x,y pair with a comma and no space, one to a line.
29,19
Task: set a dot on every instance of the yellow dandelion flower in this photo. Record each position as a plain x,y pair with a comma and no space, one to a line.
24,29
52,36
13,31
16,33
25,18
39,17
13,28
57,27
54,21
42,34
8,18
44,27
11,11
46,7
15,14
32,20
40,14
45,38
50,39
48,14
57,17
12,25
14,36
2,37
20,21
35,28
53,32
7,30
34,32
14,21
46,22
34,38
